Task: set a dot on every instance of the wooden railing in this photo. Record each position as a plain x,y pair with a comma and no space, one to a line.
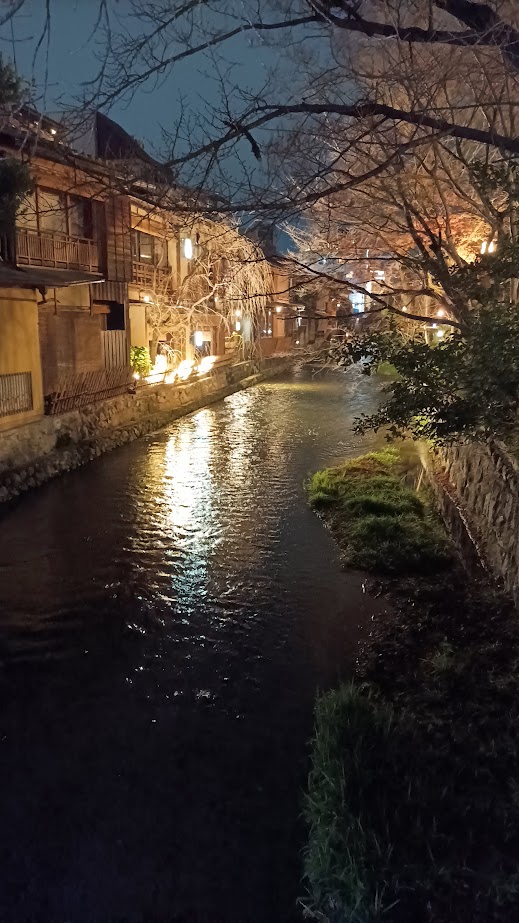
55,250
152,278
76,390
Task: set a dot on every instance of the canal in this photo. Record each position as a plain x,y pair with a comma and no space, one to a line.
167,615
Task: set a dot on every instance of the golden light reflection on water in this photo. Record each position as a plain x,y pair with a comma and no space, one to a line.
186,499
203,520
241,445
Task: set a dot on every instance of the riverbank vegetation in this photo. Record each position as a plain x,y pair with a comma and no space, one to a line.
382,523
464,385
412,803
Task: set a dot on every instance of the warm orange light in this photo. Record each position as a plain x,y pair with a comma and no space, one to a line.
206,364
185,368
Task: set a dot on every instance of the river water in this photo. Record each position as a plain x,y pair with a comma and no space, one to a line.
167,615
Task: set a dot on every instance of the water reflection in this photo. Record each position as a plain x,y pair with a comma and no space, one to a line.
187,480
167,615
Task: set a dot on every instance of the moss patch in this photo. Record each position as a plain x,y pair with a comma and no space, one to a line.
381,523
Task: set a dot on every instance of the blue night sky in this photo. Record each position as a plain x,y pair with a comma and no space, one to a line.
71,62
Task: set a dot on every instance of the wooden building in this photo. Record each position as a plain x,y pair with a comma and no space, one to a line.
66,242
98,262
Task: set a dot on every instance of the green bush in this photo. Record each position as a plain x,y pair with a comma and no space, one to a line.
140,360
467,384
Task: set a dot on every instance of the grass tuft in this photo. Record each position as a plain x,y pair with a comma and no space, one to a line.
399,825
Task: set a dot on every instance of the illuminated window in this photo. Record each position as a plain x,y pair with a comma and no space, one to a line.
146,248
357,302
188,248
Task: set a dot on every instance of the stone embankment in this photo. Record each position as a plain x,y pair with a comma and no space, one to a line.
482,481
32,454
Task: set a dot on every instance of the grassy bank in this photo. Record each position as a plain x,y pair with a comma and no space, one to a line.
413,797
383,525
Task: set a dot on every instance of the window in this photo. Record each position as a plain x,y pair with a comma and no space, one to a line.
115,319
160,251
145,247
78,217
53,212
149,249
357,302
28,214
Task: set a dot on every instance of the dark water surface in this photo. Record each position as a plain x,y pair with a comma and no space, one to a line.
167,614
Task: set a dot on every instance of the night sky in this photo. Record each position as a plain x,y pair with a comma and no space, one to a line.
71,61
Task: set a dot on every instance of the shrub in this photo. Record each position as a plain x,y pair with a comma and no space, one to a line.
466,386
140,360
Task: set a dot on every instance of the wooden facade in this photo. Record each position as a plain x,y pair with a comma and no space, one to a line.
115,349
70,344
116,241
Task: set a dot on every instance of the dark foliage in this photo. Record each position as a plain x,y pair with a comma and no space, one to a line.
467,385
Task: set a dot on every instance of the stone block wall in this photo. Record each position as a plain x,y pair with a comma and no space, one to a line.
485,482
36,452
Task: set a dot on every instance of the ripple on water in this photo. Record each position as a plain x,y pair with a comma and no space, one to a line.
167,615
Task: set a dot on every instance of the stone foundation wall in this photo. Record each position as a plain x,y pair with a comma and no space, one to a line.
36,452
484,481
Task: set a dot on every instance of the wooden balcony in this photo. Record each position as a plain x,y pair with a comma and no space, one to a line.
153,279
34,248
